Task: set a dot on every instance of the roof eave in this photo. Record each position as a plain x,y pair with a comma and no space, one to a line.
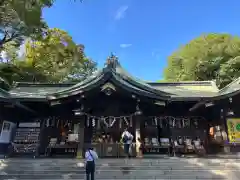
79,90
109,75
32,99
192,99
227,95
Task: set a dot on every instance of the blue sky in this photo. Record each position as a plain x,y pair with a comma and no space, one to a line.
141,33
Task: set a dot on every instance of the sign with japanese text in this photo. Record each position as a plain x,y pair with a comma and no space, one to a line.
233,125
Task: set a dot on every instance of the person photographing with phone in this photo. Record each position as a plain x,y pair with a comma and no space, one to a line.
127,139
90,158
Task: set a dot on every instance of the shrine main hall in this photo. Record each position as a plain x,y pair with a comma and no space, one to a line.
61,119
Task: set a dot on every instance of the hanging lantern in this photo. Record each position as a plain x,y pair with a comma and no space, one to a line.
211,131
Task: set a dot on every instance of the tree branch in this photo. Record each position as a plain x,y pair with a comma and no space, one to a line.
4,40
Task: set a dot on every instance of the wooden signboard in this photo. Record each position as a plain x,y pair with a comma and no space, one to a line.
233,125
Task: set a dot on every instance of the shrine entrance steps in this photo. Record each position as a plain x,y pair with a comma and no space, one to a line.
164,168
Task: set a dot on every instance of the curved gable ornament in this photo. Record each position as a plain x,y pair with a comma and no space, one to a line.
108,88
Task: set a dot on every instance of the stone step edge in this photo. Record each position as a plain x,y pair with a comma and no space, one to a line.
163,175
162,178
119,166
113,170
125,179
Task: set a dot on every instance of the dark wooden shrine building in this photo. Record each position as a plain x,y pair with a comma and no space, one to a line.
61,118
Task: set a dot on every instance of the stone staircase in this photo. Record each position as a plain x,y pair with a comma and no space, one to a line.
164,168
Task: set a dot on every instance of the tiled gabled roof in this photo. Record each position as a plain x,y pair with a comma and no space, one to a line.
114,72
188,88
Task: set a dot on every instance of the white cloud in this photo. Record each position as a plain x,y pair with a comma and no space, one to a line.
121,12
125,45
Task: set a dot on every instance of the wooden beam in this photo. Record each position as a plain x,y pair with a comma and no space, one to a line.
197,105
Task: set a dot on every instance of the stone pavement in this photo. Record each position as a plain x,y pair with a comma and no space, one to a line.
164,168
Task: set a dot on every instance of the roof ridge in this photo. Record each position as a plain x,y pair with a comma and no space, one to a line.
215,85
185,82
135,80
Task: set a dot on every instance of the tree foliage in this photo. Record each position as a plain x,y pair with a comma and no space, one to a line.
14,68
51,55
55,57
20,19
58,57
208,57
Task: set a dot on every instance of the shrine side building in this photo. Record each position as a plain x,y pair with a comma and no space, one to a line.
64,118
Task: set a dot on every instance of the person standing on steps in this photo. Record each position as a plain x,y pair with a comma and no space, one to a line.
90,158
127,139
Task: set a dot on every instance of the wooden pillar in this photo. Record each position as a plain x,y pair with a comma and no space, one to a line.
81,137
223,119
224,131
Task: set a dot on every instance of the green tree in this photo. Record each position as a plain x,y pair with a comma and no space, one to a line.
9,52
21,72
58,57
21,18
8,71
208,57
53,58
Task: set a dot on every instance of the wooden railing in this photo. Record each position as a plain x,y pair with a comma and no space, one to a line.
110,149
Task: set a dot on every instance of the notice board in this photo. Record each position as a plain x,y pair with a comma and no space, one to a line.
233,125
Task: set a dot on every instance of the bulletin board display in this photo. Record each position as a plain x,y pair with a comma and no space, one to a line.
233,125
